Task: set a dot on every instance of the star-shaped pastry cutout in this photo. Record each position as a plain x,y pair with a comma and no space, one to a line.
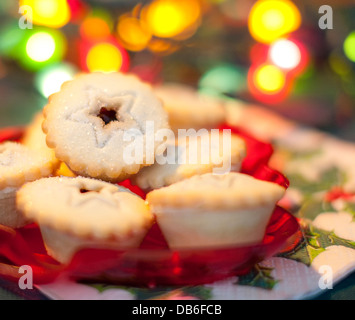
106,115
104,195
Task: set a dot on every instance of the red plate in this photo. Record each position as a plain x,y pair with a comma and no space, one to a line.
153,263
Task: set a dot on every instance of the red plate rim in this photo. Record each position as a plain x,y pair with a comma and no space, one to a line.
278,232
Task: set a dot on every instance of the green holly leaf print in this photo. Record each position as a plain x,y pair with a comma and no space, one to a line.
194,292
314,242
260,276
312,207
350,208
329,178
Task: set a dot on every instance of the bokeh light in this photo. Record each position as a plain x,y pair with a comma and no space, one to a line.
95,28
272,19
106,56
162,47
285,54
49,13
349,46
269,78
133,33
11,40
339,64
169,18
223,79
42,47
49,80
269,83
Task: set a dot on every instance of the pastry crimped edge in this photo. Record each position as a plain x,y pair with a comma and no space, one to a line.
81,168
187,117
43,168
9,185
195,218
171,196
35,139
146,180
54,221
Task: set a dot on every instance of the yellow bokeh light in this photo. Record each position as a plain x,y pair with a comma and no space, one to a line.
169,18
271,19
269,79
349,46
40,47
104,57
133,34
50,13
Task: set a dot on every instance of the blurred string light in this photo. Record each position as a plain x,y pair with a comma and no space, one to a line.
77,9
97,25
162,47
50,79
95,28
42,47
285,54
268,83
224,79
103,56
349,46
272,19
339,64
290,55
169,18
133,33
276,59
49,13
12,38
269,78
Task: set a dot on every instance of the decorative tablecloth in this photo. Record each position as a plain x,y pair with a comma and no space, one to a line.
321,170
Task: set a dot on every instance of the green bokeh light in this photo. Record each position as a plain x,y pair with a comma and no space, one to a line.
226,79
349,46
50,79
30,53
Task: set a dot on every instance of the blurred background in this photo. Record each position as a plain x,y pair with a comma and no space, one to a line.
294,57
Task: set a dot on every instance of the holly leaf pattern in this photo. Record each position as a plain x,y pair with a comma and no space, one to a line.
260,276
314,242
166,293
331,177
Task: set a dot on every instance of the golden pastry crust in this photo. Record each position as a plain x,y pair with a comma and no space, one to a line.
35,139
220,155
77,213
87,120
84,207
19,164
215,192
214,211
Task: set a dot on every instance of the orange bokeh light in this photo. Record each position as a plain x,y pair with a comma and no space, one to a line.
95,28
133,33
